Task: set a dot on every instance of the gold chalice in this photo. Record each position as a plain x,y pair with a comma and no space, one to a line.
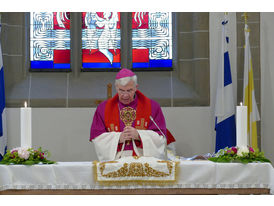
128,116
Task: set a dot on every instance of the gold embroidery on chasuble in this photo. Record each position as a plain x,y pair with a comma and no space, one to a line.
142,125
113,128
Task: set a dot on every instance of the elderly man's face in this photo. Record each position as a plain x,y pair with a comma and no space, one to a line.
126,93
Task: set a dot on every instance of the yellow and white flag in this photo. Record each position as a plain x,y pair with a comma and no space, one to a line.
249,95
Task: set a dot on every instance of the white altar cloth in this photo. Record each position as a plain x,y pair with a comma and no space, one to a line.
192,174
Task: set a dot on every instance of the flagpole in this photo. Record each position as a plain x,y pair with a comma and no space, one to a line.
246,29
245,17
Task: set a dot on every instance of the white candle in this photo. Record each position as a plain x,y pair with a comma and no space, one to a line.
25,123
241,125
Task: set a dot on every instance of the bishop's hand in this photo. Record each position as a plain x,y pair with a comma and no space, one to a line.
124,137
129,133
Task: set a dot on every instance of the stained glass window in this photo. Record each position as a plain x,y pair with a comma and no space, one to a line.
101,40
50,40
151,39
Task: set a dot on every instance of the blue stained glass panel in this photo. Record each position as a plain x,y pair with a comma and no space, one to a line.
41,64
101,65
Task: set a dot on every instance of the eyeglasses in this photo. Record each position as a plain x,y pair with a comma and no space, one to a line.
130,91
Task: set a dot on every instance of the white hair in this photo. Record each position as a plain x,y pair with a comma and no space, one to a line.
125,80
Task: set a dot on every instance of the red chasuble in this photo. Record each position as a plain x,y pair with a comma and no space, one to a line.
143,112
112,116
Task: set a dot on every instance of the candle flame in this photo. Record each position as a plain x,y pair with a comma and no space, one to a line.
241,104
25,104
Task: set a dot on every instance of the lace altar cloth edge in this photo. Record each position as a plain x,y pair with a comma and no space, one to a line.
192,174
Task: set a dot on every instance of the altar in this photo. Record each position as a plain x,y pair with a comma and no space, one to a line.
194,177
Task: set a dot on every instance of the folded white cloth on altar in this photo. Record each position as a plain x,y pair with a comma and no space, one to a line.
140,170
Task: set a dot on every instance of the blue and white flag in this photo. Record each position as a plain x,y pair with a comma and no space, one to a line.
225,124
3,128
